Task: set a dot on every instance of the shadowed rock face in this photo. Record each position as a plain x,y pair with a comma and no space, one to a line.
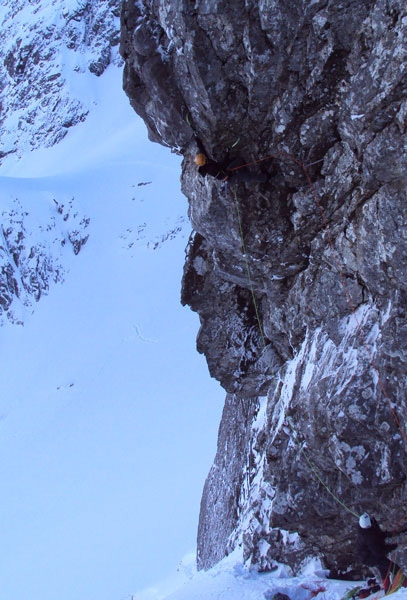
316,384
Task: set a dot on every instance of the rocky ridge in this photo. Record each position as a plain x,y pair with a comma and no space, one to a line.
315,385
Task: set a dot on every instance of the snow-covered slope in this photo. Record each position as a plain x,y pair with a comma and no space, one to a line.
108,416
43,221
231,580
46,48
51,56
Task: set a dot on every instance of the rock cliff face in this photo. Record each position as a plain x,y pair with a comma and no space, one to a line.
305,327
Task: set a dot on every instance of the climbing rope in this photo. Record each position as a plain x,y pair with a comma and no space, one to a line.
249,275
317,475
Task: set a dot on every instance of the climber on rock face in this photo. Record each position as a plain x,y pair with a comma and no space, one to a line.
232,171
373,549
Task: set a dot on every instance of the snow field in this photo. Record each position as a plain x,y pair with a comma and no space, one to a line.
108,416
231,580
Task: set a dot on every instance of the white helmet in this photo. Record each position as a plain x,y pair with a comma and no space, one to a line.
364,521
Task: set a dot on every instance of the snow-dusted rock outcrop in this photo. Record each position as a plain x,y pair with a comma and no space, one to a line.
314,426
34,245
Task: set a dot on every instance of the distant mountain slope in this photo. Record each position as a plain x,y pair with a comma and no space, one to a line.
45,49
51,54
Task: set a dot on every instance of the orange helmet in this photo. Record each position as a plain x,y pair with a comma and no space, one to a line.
200,159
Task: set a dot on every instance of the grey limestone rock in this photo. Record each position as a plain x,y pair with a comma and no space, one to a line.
314,429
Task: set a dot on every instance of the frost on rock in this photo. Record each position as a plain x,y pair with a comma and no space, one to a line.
314,341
